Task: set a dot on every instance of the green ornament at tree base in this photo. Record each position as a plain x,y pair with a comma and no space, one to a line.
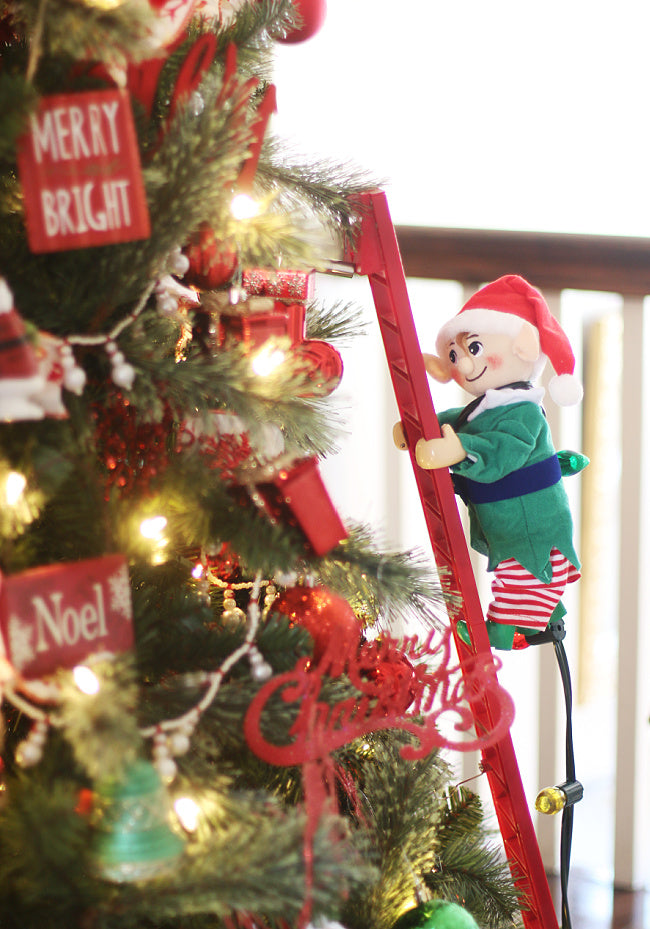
436,914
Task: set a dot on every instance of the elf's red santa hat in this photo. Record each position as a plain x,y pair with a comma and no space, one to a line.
500,307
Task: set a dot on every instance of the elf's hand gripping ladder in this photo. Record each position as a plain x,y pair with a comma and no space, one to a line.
376,254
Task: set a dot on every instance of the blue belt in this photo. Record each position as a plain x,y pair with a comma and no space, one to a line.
526,480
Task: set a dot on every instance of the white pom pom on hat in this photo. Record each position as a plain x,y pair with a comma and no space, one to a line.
499,307
565,389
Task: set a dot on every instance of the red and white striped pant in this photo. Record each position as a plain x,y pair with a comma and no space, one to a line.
521,599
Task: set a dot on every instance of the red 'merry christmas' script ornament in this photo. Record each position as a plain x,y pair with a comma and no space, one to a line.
418,703
79,166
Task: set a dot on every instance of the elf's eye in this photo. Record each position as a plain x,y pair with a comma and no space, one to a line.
453,357
475,348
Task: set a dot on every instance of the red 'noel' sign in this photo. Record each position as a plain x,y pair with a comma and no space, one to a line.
79,166
57,615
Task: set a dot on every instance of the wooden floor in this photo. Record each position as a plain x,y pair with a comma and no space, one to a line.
594,905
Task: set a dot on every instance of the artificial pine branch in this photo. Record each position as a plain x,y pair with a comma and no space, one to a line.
321,186
254,865
43,851
386,583
470,867
475,874
253,30
337,322
398,819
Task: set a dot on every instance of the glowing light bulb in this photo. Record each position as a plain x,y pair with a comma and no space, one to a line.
14,487
188,812
153,527
85,679
243,206
267,360
197,571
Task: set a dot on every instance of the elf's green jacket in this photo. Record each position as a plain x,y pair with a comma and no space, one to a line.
500,440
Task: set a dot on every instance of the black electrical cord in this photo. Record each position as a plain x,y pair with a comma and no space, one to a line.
566,832
572,789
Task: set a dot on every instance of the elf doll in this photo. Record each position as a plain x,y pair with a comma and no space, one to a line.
500,452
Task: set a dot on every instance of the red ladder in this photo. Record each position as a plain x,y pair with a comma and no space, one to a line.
376,254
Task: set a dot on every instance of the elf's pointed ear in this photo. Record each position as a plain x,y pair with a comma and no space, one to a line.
525,344
438,369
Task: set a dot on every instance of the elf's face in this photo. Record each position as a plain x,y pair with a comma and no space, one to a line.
480,361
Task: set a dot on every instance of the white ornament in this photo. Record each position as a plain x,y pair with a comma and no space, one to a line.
74,377
166,768
6,297
20,378
123,373
178,262
179,743
28,754
169,294
30,751
261,670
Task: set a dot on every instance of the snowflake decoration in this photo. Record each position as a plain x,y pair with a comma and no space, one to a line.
20,643
120,592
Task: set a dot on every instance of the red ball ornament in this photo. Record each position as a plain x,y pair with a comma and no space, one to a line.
212,262
323,366
328,618
312,16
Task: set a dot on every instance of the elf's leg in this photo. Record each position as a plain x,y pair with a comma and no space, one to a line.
522,604
523,600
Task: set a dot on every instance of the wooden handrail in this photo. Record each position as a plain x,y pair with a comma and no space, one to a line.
548,260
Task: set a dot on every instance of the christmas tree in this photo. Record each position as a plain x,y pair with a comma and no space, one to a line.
206,720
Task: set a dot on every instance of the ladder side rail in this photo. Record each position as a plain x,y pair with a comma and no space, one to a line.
380,260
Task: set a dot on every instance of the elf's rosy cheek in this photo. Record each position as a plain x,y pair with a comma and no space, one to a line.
495,362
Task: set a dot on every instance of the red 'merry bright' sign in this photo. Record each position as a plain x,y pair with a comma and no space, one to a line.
80,170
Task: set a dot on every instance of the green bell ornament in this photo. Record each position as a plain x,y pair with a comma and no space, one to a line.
436,914
135,840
